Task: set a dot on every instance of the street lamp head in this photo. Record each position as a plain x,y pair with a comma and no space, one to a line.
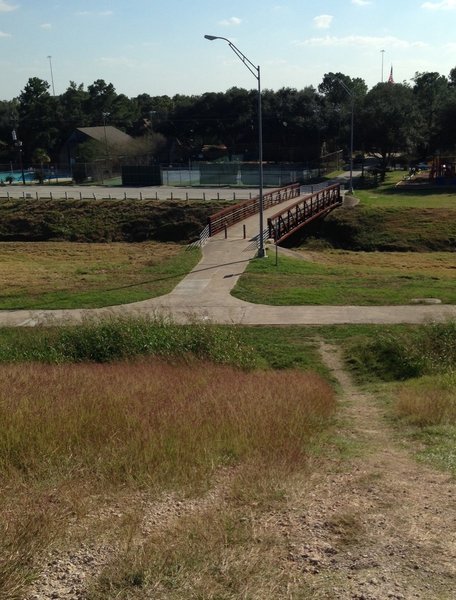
211,37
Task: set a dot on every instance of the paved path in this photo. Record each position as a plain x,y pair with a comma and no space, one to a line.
205,294
98,192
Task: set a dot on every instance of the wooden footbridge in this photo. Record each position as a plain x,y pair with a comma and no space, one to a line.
310,205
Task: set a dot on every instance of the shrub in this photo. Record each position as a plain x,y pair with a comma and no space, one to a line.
425,350
118,338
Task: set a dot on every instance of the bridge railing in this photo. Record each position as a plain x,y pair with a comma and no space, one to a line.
233,214
284,223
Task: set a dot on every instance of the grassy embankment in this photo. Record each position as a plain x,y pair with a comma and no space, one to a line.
340,277
73,275
103,220
391,248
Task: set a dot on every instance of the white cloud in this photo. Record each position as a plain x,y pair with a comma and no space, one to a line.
3,34
361,2
46,26
443,5
360,41
6,6
230,22
323,21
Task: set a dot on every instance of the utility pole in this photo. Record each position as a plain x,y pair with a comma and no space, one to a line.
350,92
52,75
383,54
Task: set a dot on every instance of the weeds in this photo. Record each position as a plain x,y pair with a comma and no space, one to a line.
428,401
424,350
217,554
423,405
125,422
117,338
70,432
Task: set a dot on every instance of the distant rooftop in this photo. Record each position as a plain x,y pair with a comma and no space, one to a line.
109,133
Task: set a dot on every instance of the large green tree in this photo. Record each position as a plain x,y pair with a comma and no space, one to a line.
390,121
8,117
431,92
338,92
38,125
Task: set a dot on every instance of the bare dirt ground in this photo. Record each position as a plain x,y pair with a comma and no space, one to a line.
371,525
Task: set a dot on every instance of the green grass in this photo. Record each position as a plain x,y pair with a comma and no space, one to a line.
425,410
284,347
388,195
384,229
346,280
115,338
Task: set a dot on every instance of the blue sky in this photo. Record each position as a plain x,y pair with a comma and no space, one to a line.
157,46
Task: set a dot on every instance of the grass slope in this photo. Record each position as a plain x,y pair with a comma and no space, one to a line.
73,275
372,228
340,277
103,220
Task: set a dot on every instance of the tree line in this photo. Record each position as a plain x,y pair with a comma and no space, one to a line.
416,120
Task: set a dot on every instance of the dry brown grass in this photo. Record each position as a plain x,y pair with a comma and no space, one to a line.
428,401
70,432
217,553
438,264
36,268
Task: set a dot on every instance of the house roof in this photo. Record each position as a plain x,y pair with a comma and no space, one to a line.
109,134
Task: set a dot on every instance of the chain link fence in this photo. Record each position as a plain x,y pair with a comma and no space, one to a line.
194,174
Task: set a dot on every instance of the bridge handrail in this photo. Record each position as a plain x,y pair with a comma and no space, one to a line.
283,223
233,214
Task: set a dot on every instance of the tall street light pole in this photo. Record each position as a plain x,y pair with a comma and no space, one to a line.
52,75
105,115
383,54
352,99
255,70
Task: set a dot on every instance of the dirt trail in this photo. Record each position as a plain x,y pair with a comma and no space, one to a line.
382,525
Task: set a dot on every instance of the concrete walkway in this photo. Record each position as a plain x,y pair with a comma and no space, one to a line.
204,294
